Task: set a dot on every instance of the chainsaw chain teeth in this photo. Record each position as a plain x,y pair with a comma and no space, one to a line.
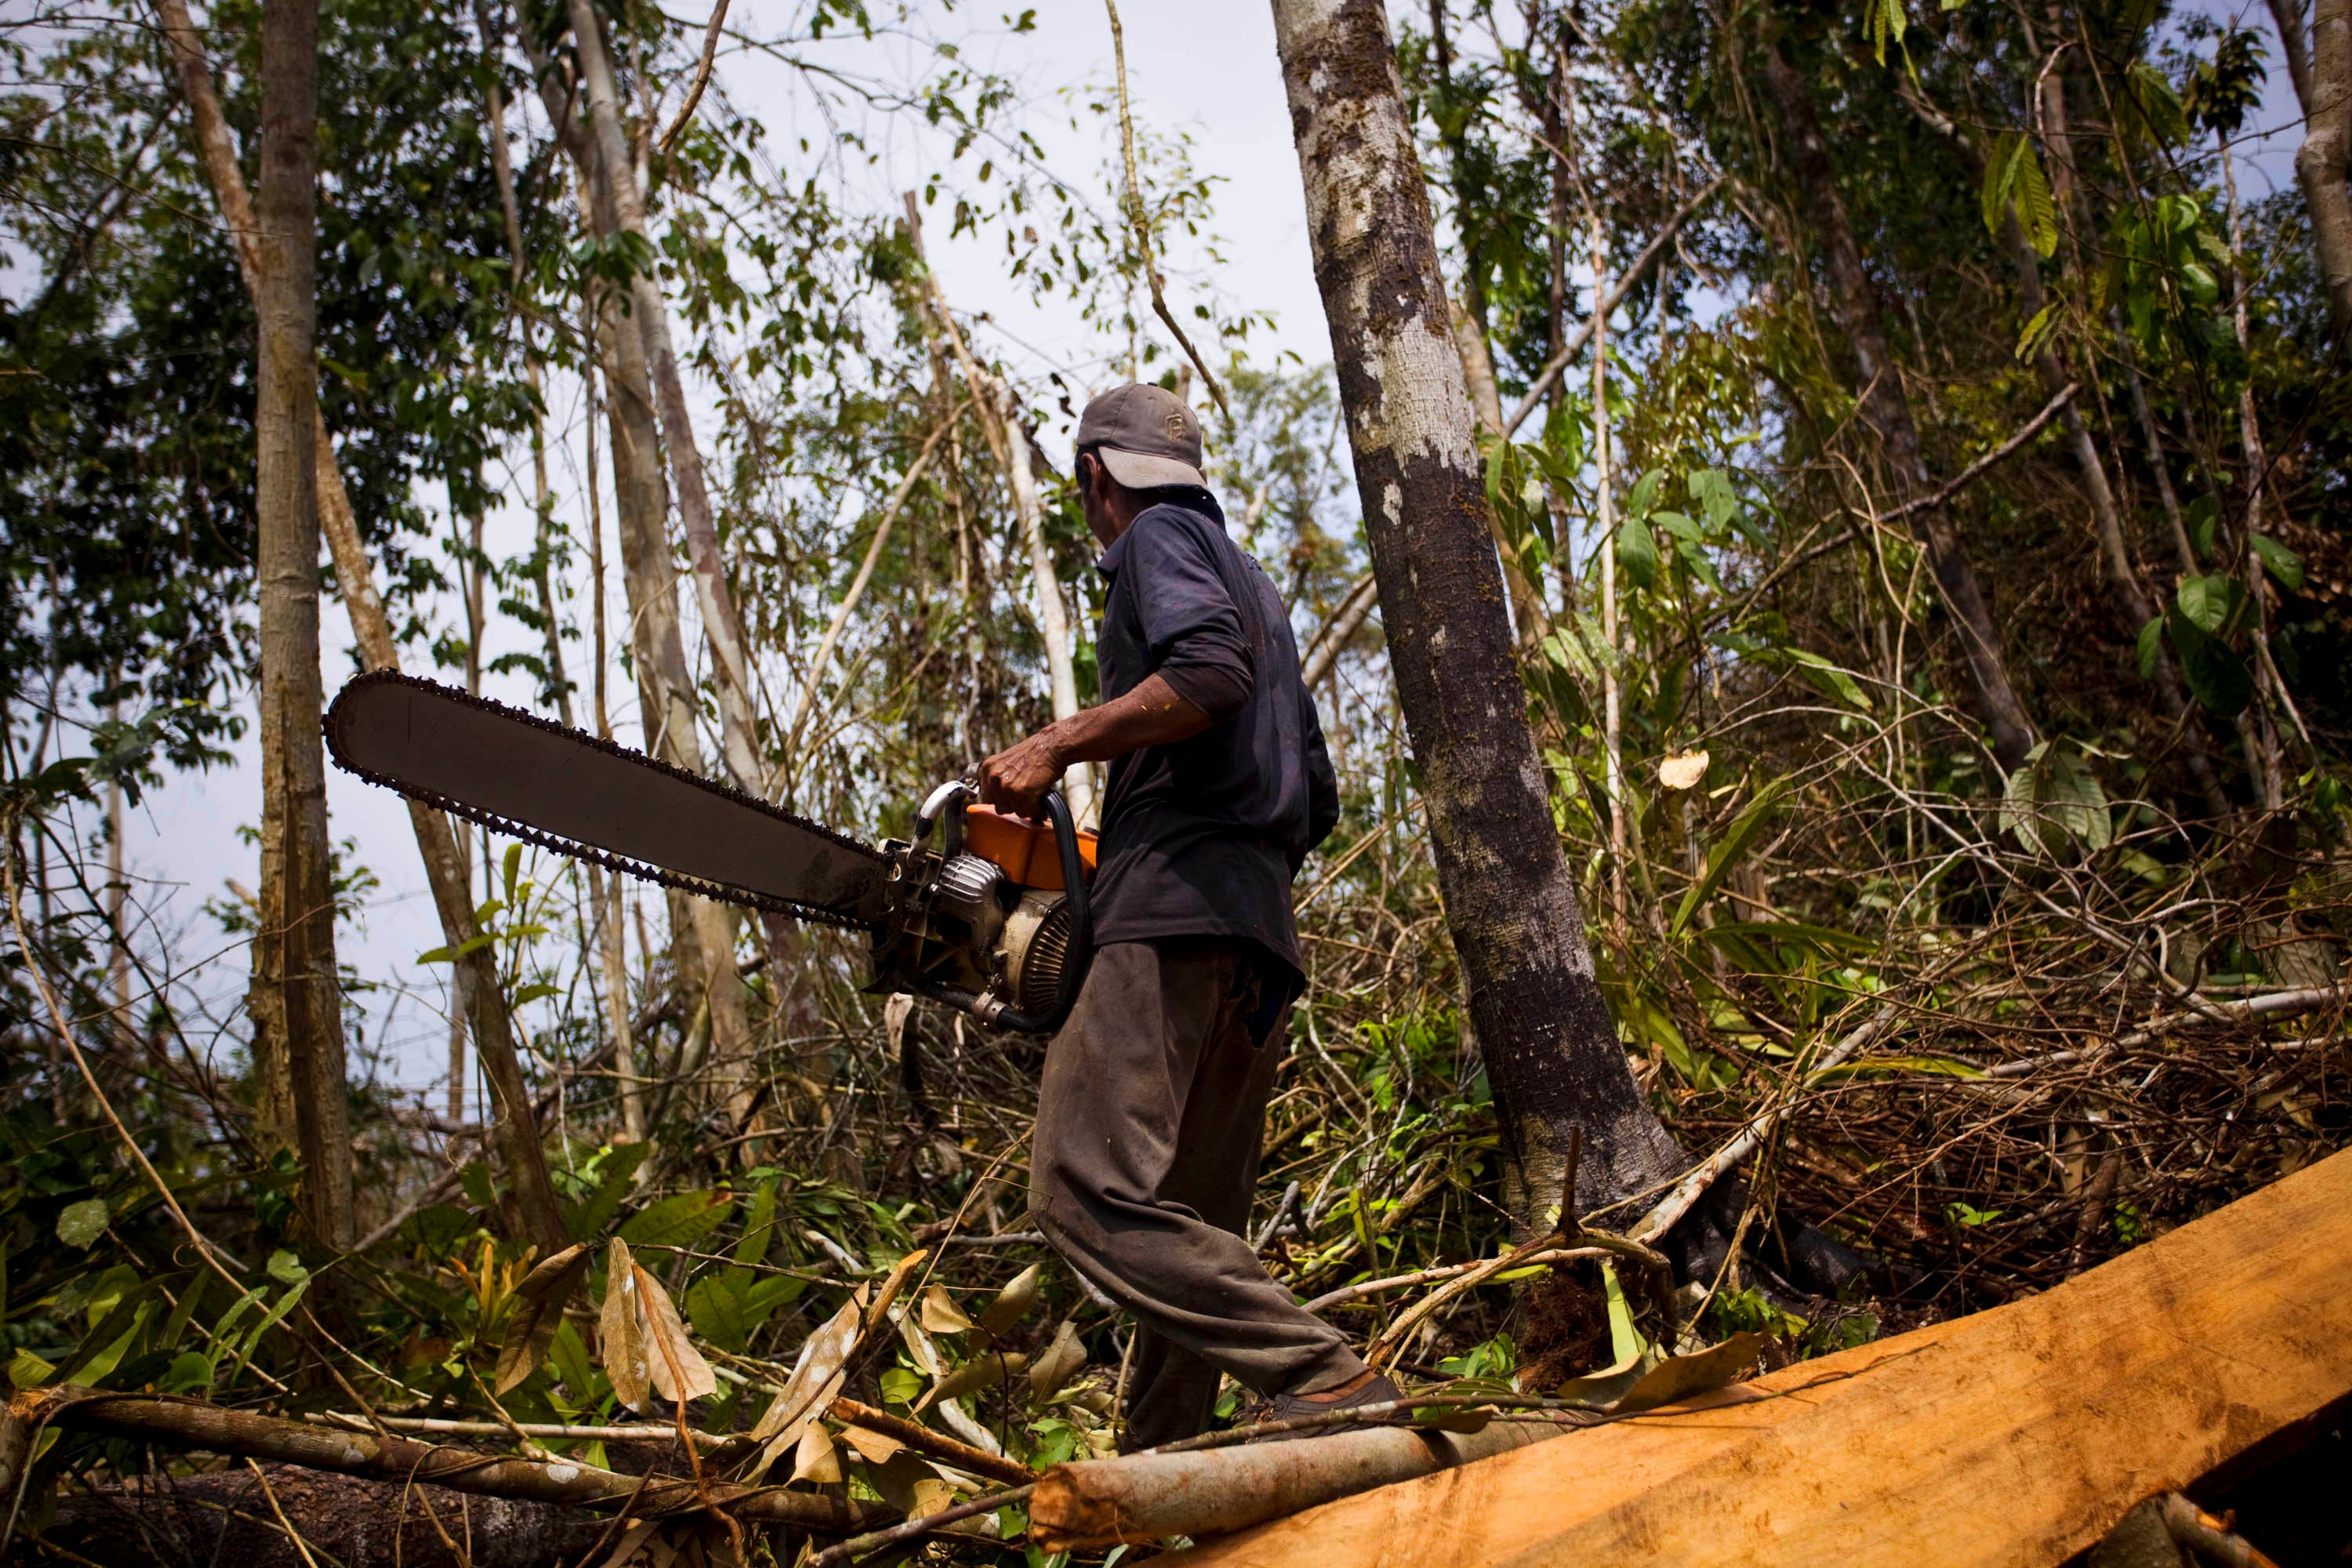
724,892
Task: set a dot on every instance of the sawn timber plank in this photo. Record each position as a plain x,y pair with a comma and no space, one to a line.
2017,1435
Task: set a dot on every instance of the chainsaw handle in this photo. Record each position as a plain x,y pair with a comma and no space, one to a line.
928,816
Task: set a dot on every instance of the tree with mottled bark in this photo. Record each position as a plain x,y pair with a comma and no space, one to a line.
1549,1045
2324,163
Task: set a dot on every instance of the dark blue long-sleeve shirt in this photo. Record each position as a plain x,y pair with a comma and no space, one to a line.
1202,836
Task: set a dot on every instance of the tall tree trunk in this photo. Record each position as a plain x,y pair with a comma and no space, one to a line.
371,629
722,628
702,931
603,911
1885,409
2324,159
296,1003
1551,1051
611,939
1604,498
2296,44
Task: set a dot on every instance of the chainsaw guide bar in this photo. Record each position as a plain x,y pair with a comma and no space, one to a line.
579,794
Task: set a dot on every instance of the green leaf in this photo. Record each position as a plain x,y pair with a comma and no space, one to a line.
1827,678
569,1355
2000,172
2158,105
2282,563
2201,518
512,868
715,1307
2151,647
2217,677
678,1221
535,990
287,1268
1637,553
2054,801
29,1371
1644,495
1712,490
1727,853
615,1168
2210,602
900,1386
2037,332
1886,21
80,1224
759,1232
2029,190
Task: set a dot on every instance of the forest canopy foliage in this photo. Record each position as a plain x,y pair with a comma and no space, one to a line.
1914,438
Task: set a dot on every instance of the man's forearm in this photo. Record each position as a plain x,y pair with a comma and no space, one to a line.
1151,715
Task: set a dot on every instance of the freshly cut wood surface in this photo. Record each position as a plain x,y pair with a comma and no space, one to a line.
2017,1435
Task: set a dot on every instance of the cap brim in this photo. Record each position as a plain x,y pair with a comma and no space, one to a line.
1139,472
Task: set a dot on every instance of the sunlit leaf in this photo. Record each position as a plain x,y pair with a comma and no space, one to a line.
1013,1302
80,1224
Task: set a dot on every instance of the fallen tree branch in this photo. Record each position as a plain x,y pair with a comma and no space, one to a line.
938,1444
1324,651
193,1423
1346,1293
2025,432
1671,1208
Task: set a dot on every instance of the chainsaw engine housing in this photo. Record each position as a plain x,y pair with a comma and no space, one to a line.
984,922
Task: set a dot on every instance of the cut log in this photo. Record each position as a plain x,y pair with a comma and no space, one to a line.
190,1423
2020,1434
1100,1503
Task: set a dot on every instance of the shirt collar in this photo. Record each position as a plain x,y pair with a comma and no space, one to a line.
1199,502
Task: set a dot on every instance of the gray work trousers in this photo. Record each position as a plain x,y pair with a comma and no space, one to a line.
1150,1119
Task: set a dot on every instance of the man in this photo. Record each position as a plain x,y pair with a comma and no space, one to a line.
1153,1102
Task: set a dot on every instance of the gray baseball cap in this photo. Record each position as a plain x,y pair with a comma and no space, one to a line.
1148,438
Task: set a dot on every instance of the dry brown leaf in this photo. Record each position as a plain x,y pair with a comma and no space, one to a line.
929,1496
820,1360
678,1370
621,1330
1014,1301
537,1313
1683,770
979,1371
939,1313
1060,1363
905,1479
873,1448
919,1348
816,1459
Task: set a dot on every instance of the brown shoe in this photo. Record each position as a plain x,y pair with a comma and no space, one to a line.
1372,1388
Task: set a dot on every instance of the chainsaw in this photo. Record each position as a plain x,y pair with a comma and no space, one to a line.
992,919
